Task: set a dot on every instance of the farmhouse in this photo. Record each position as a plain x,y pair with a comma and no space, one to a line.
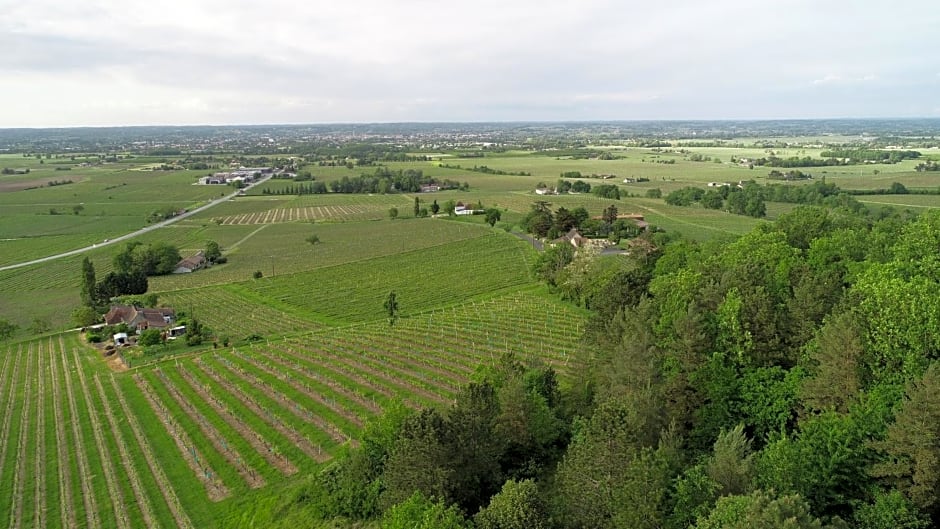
465,209
191,264
544,191
573,237
140,318
430,188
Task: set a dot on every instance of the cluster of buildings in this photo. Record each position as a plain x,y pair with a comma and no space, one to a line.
244,175
139,319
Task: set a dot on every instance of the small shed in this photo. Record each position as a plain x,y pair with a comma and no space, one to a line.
120,338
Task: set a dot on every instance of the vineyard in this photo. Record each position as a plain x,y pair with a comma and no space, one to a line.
423,279
306,208
278,249
171,445
354,212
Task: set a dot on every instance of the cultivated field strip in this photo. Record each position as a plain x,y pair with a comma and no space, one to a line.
135,482
265,447
19,470
337,435
265,414
67,507
308,213
85,472
223,446
41,498
215,488
423,280
227,311
115,491
166,490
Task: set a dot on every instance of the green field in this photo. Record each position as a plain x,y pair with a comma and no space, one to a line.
184,443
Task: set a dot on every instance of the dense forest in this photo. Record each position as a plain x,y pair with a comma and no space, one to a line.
787,378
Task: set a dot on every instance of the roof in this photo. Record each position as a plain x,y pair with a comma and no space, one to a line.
131,314
192,262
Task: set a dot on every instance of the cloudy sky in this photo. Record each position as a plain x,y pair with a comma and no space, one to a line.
132,62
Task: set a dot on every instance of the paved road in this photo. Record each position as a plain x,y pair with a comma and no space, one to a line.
131,235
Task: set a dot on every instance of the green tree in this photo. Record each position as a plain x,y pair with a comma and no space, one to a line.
731,465
78,208
417,208
552,261
913,443
84,316
760,510
835,360
435,207
611,476
418,512
890,510
257,274
88,292
517,506
213,251
476,446
420,460
391,307
39,326
610,214
492,216
393,213
7,329
313,239
150,337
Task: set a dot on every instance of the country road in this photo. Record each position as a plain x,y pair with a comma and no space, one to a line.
133,234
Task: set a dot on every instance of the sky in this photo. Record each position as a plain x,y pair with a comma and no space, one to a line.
217,62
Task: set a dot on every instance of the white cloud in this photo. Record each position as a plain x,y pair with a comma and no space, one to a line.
241,61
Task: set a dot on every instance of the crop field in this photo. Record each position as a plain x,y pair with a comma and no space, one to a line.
278,249
422,279
173,445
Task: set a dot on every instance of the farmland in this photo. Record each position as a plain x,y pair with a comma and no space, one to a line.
172,445
304,354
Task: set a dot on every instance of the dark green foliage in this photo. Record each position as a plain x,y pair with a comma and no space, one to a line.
552,261
611,191
890,510
912,444
420,460
418,512
761,510
7,329
685,196
391,307
213,251
492,216
88,292
517,506
150,337
159,258
539,221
